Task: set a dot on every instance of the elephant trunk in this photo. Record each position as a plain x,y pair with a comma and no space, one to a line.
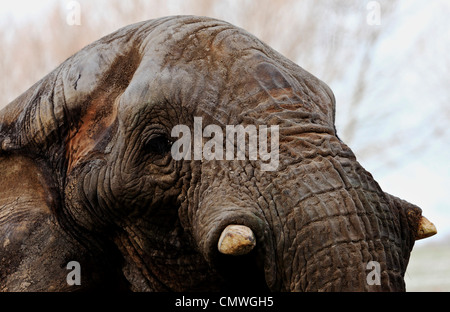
233,238
331,228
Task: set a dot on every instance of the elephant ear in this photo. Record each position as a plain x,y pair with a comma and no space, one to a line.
43,134
65,114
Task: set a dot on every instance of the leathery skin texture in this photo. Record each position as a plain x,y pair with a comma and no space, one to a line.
88,174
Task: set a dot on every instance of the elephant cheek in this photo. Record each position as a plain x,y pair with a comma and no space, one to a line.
237,243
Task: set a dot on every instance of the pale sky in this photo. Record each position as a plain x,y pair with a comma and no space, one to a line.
23,9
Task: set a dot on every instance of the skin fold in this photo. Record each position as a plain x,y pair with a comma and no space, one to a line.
88,175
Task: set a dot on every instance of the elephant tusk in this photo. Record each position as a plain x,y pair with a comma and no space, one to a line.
426,229
236,240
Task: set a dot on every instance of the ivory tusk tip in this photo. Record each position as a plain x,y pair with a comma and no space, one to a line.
236,240
426,229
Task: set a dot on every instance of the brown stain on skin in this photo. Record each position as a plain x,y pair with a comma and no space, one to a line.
97,119
281,92
100,112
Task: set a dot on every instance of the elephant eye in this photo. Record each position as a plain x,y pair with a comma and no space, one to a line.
158,144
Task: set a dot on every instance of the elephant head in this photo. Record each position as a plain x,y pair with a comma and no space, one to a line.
89,173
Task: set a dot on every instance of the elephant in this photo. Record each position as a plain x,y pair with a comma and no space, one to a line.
91,186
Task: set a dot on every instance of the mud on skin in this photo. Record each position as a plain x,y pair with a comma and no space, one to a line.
88,175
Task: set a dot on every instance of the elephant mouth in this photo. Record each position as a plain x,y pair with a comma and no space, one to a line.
240,250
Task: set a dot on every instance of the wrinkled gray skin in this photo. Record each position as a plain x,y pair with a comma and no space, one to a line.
87,173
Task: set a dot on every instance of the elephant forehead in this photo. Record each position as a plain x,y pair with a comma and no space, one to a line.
188,38
204,64
286,91
247,85
224,71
